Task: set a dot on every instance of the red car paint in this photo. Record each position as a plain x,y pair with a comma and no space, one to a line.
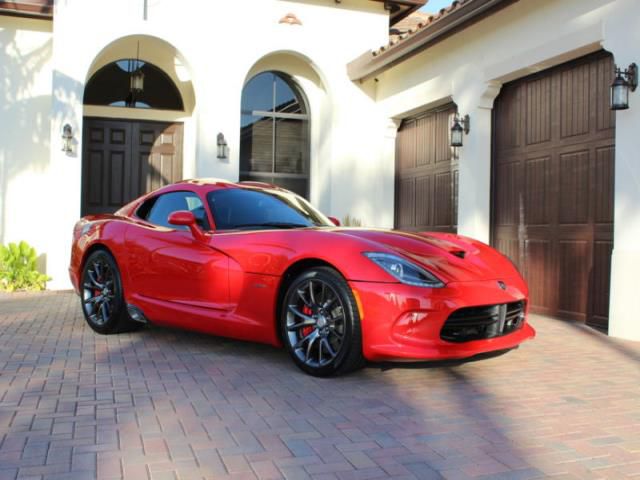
228,283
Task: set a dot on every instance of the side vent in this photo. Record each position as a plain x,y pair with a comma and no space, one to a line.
136,314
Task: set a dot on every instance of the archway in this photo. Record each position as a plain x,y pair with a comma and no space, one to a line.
138,102
284,114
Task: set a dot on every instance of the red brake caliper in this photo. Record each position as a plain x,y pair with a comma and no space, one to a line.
307,330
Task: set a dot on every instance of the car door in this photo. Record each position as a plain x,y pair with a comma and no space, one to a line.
168,264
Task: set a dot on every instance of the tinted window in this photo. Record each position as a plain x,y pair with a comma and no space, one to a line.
166,204
248,208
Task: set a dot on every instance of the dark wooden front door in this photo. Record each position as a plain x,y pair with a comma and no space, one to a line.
123,159
553,186
426,173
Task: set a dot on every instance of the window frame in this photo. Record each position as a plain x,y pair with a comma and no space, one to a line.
301,97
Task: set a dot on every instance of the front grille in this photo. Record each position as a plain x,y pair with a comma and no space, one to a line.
477,323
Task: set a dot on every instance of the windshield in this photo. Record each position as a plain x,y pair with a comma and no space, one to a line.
246,208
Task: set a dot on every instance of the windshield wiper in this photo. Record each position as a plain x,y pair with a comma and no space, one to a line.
272,225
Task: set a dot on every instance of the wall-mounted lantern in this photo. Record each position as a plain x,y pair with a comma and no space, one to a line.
460,126
136,83
625,80
67,139
223,150
136,79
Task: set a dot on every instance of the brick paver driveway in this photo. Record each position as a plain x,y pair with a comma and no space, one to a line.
163,404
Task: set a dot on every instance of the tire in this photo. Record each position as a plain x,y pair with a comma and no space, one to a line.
102,297
320,323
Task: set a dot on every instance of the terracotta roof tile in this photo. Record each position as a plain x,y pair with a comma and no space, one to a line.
417,22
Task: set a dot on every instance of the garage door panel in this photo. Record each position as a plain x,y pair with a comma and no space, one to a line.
508,131
574,188
425,141
538,111
604,72
541,284
554,193
426,173
507,206
443,149
407,146
443,211
424,200
537,179
407,202
604,182
574,101
573,286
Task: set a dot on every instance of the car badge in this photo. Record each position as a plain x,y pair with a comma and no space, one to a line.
502,285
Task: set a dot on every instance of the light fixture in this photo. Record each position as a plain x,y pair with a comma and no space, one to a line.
67,139
625,80
136,79
222,146
460,127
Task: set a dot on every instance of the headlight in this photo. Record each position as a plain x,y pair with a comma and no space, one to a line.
405,271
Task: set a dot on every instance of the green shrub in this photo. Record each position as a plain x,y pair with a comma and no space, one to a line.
350,221
18,270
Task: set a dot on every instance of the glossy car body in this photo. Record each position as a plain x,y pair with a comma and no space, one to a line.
231,283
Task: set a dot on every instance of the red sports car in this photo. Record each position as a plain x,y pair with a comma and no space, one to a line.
255,262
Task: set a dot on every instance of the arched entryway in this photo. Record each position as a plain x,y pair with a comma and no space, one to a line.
285,114
137,101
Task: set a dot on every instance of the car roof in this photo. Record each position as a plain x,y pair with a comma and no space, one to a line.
201,186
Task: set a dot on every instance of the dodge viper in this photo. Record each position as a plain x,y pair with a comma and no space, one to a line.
256,262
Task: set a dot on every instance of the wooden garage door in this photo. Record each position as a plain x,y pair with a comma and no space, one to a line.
123,159
426,173
553,186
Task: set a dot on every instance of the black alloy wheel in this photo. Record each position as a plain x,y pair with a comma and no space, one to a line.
102,297
320,323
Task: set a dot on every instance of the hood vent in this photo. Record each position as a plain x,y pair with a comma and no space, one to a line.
458,253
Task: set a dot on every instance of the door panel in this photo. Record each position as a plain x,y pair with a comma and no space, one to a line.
553,185
123,159
426,174
171,266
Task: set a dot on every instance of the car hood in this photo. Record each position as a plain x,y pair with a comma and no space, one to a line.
453,258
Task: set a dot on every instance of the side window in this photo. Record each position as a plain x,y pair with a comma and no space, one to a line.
166,204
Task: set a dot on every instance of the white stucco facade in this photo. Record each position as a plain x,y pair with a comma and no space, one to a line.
211,49
210,57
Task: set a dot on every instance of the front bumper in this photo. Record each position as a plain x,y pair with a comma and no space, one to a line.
402,322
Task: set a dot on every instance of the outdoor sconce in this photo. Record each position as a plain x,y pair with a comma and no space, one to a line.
222,146
67,138
460,127
625,80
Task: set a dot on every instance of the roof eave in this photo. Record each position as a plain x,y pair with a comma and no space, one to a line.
31,10
370,64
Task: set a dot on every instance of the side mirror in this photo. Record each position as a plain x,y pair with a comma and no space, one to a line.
183,218
335,221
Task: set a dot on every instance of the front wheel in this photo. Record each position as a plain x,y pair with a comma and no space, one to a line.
102,296
320,323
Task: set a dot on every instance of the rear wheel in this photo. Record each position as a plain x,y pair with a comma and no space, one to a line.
102,296
320,323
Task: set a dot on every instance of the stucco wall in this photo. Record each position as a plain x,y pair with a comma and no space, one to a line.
524,38
25,106
219,46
